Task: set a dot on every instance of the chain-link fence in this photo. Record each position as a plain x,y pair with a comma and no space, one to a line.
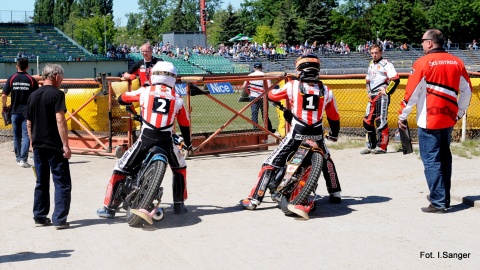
220,121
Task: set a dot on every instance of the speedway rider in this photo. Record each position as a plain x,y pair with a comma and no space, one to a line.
160,106
382,80
309,98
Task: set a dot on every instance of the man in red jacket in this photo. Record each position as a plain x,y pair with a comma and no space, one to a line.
440,88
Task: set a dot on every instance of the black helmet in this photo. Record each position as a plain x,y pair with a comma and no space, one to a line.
257,65
307,62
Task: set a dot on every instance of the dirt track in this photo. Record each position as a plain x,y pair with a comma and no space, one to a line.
379,225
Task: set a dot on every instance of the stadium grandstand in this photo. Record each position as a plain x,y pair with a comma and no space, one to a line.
50,44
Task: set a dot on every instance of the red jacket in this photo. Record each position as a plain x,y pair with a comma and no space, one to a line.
440,87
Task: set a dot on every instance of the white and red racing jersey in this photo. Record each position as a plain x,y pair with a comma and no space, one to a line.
255,88
308,107
440,87
380,74
160,105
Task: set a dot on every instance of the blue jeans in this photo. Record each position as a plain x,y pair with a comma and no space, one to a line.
258,106
21,142
434,145
46,160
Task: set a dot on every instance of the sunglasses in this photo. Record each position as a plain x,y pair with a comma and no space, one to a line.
423,39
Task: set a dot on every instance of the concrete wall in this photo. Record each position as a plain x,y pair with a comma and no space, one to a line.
185,39
73,69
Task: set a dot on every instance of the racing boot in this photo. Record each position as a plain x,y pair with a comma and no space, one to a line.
179,208
179,186
112,200
267,173
335,198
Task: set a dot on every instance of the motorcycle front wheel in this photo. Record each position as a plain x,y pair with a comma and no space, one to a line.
150,183
309,182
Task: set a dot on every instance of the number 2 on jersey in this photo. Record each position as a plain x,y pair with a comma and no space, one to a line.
161,105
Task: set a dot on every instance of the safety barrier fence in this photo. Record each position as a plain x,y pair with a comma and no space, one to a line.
220,121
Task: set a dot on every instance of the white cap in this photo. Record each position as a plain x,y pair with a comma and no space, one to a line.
164,73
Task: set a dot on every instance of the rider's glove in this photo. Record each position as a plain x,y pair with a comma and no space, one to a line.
330,137
287,114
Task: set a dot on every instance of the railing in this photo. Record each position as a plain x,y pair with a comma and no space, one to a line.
14,16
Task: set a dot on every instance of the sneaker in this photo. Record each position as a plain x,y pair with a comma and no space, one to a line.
249,204
106,213
179,208
378,150
23,164
366,151
62,226
41,222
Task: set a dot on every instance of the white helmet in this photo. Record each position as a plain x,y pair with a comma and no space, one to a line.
164,73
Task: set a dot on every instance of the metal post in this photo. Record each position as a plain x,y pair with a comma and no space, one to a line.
105,33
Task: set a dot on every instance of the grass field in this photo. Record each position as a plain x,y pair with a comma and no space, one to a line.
207,115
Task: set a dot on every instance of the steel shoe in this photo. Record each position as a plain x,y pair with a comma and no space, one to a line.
300,210
249,204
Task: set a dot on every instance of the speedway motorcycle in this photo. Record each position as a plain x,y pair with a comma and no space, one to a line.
298,178
142,192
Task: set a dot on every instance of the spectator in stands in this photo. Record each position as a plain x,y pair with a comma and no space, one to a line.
20,85
143,67
254,89
474,45
382,80
449,44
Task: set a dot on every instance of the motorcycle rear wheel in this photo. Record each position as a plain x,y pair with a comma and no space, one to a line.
151,182
310,183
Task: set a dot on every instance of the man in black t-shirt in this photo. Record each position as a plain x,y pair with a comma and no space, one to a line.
47,129
20,85
143,67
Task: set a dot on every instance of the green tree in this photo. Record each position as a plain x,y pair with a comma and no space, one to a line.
457,19
153,13
318,24
350,23
43,10
177,22
61,12
266,34
231,25
133,22
286,25
400,24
